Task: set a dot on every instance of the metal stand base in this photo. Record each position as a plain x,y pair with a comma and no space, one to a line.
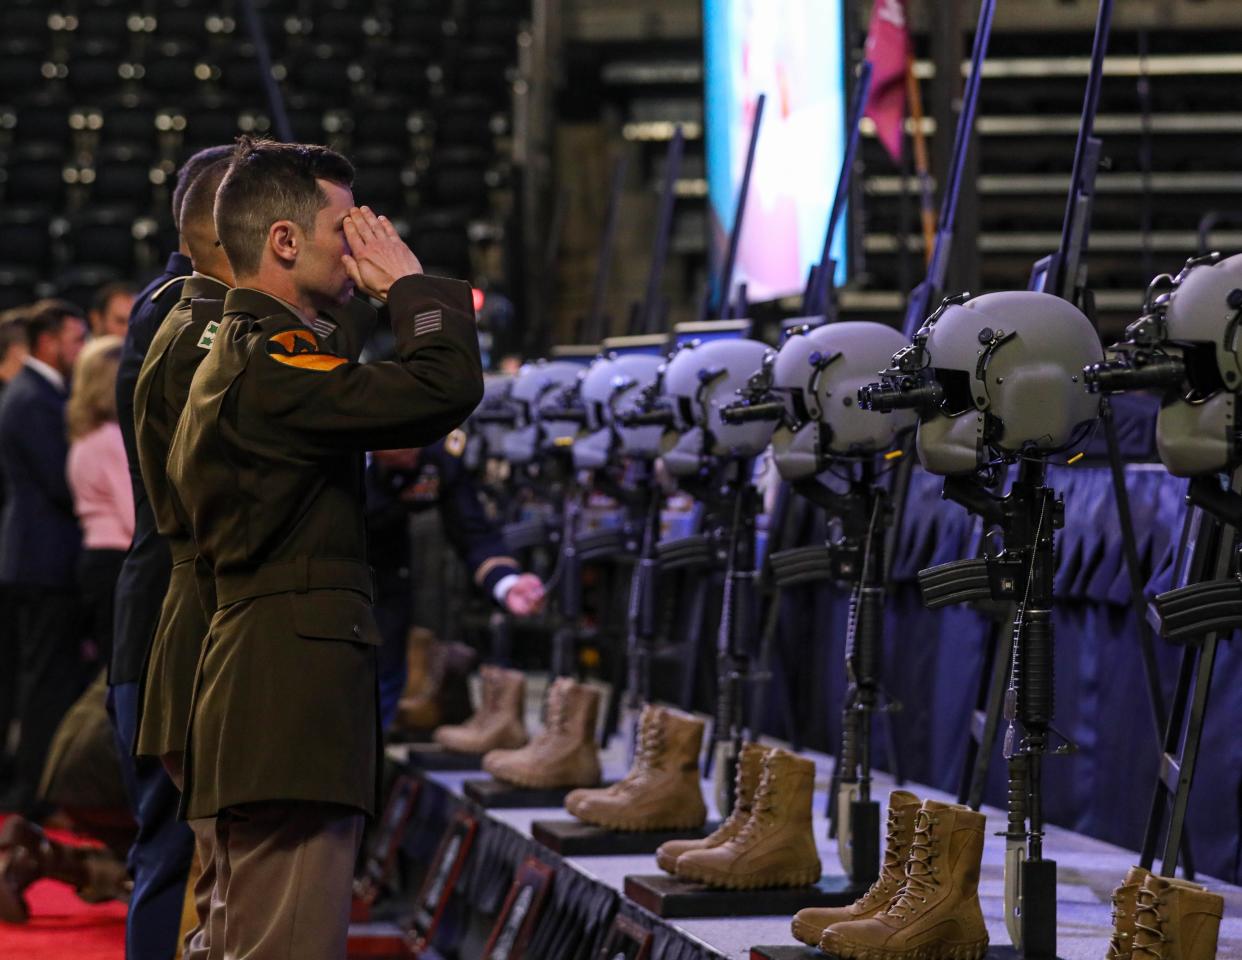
494,795
1039,909
573,838
432,756
669,897
865,841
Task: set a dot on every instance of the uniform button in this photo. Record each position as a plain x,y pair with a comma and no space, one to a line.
357,630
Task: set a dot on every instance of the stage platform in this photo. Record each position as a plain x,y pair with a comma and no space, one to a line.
1088,870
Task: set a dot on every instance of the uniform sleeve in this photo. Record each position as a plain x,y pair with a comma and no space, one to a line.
321,404
472,533
41,437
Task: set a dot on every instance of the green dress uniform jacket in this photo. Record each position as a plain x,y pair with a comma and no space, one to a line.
267,460
177,348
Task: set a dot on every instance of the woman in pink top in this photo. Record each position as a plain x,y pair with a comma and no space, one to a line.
99,478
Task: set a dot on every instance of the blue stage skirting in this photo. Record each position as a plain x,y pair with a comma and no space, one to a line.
934,660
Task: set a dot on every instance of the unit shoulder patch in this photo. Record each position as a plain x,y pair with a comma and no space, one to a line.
299,348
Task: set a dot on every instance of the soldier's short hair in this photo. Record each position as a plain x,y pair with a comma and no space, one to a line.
267,182
197,228
189,171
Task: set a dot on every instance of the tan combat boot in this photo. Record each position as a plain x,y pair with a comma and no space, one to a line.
1125,903
28,854
936,915
1175,920
775,847
564,753
746,782
661,791
809,924
499,722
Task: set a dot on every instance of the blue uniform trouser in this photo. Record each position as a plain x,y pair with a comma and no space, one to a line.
163,851
393,617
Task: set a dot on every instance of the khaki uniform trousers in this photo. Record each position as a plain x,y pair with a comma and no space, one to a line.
283,881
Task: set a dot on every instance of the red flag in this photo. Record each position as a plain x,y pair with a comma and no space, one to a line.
888,48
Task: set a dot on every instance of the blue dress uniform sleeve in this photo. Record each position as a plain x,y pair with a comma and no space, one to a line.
470,530
323,404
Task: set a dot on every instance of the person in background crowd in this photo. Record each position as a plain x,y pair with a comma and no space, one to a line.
164,849
13,353
110,309
400,482
99,479
39,536
13,346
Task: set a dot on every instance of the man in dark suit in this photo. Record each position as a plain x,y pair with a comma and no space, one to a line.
267,461
14,350
39,536
164,849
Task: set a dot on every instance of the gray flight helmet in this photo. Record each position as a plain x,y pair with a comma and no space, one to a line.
817,374
637,377
1009,372
536,386
1198,320
608,381
593,448
699,380
491,418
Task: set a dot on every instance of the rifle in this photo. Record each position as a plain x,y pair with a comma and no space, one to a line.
820,298
720,305
931,290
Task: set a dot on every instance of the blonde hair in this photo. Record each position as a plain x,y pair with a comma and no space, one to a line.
92,398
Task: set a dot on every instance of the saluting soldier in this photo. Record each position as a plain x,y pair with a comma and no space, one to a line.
164,847
160,394
400,482
163,387
267,463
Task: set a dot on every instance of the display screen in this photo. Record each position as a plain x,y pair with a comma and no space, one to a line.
794,51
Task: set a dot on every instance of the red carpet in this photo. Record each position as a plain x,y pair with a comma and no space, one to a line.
62,927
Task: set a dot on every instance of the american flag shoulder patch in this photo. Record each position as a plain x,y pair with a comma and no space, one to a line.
429,321
322,326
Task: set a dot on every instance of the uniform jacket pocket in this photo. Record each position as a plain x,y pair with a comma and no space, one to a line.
334,615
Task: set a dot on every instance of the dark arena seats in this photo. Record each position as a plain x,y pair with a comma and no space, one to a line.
100,100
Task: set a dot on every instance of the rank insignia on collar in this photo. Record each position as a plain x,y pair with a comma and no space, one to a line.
209,335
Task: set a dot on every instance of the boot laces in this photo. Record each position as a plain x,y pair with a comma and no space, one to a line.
650,752
558,714
919,879
1149,919
892,859
1115,946
761,806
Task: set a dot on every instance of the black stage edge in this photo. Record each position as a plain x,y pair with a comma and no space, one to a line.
573,838
432,756
784,952
669,897
494,795
799,952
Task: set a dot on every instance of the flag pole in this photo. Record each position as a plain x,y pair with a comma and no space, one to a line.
922,168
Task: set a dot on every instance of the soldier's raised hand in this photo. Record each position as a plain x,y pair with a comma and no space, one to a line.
377,256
